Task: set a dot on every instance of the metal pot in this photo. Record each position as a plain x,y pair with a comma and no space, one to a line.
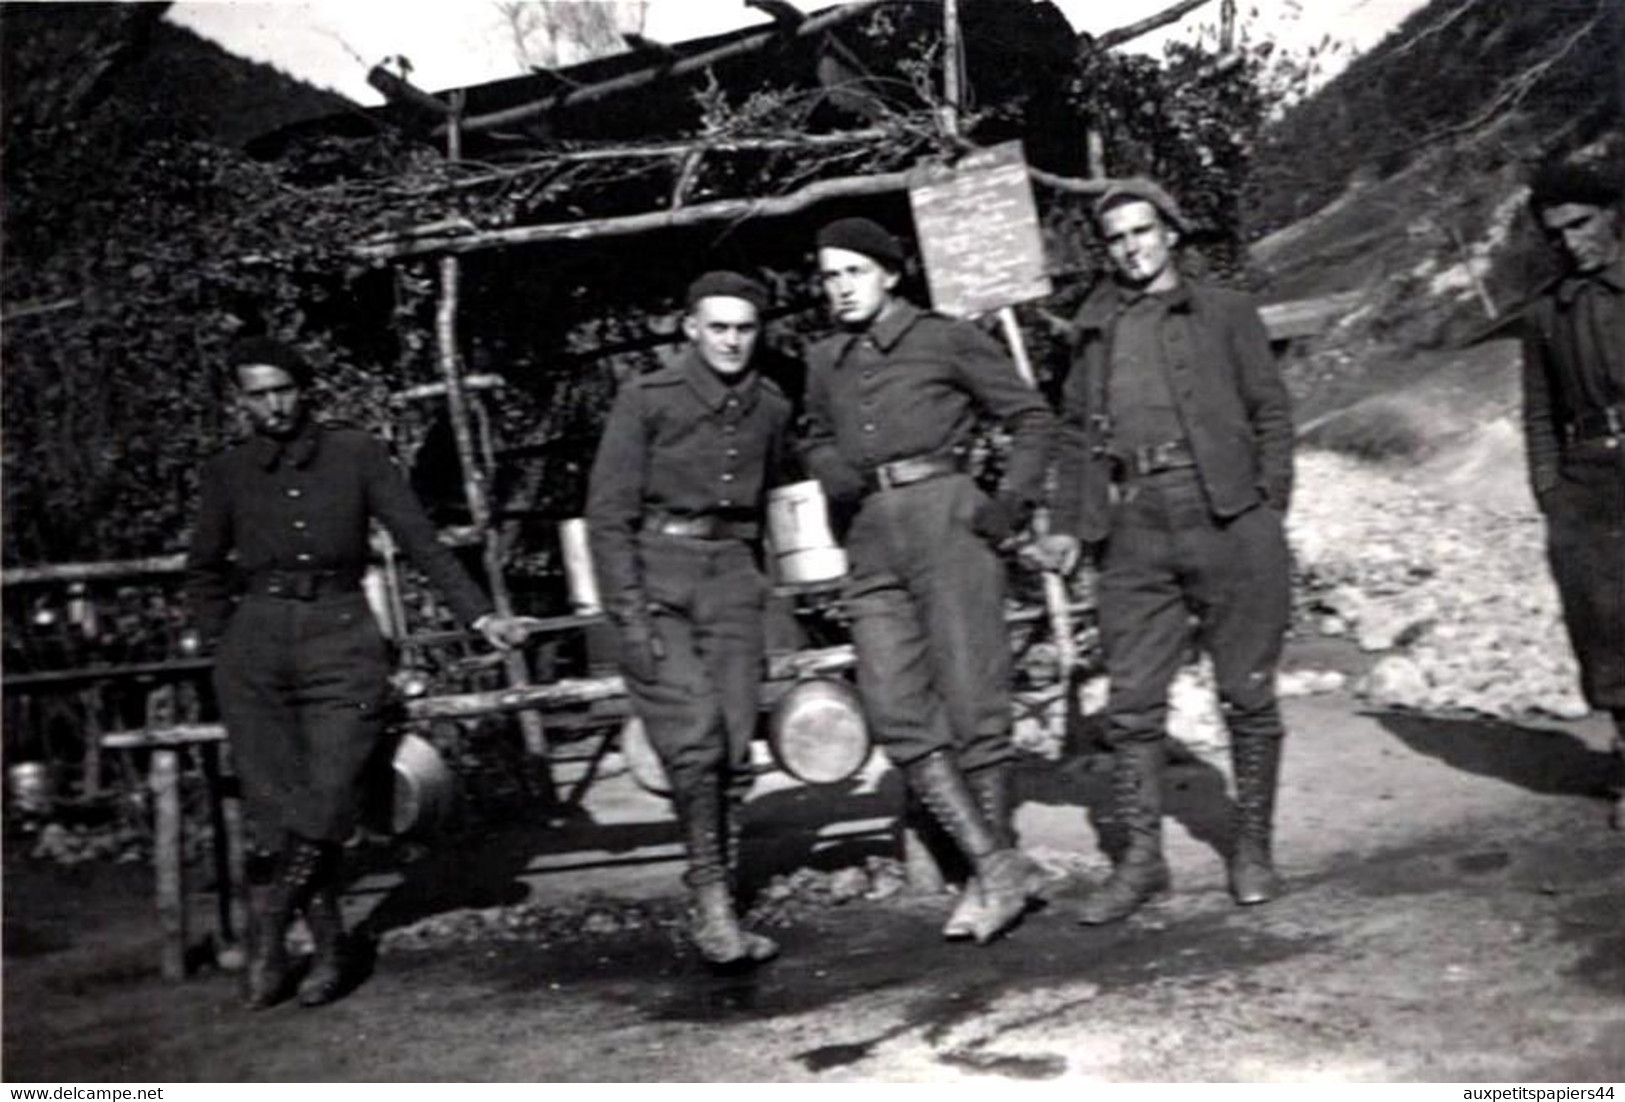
32,787
817,733
424,788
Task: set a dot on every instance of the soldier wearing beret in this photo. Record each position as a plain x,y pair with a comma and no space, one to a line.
674,512
1574,424
274,575
891,407
1175,464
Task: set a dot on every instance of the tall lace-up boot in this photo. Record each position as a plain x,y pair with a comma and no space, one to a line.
714,927
1006,881
298,866
1142,873
1256,760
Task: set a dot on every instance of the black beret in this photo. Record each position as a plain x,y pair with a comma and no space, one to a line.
1591,183
859,235
269,353
727,284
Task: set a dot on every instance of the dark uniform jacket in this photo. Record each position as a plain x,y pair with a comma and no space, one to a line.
1573,364
912,385
1227,390
682,442
303,505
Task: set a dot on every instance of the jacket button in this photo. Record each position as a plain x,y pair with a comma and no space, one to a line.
299,526
294,491
303,556
727,476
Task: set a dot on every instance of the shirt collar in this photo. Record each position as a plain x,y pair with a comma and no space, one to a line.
1611,277
711,389
299,449
889,328
1110,299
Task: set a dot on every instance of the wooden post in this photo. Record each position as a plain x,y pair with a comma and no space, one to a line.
227,888
169,860
90,702
479,507
1056,601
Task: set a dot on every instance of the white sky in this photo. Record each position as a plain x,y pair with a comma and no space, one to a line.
332,43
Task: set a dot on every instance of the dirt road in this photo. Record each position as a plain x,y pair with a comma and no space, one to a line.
1457,913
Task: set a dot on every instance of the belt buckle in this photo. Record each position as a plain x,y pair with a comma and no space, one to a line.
300,586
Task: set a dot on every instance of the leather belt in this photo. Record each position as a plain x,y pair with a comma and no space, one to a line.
1171,455
1608,421
303,585
906,472
701,527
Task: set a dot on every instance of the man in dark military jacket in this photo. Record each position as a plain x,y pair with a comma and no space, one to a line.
1574,424
275,570
892,404
674,515
1175,463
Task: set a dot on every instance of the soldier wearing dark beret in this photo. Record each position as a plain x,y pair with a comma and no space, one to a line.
892,403
1574,423
674,514
274,576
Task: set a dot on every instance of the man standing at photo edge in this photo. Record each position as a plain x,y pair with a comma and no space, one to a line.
301,671
1176,461
892,402
1574,424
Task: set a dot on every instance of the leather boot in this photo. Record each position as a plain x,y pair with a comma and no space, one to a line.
267,975
1006,880
324,981
714,928
1257,764
1142,873
991,788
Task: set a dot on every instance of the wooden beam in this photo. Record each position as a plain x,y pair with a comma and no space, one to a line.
694,63
410,243
113,570
1131,31
730,210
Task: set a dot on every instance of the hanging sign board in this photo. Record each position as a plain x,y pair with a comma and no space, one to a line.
978,231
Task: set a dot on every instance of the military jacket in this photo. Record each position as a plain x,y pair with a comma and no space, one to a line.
913,384
1573,363
304,505
1231,401
683,442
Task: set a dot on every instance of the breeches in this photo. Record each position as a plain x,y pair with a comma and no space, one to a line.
1585,543
1171,566
926,596
701,709
301,686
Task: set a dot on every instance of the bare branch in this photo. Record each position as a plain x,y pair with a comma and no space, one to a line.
1129,33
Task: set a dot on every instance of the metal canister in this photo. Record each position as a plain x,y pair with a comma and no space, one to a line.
578,569
804,547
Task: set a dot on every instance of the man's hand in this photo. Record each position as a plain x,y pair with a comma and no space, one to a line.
506,632
1056,552
999,520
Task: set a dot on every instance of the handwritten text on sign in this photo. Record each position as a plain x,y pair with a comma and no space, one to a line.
978,231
